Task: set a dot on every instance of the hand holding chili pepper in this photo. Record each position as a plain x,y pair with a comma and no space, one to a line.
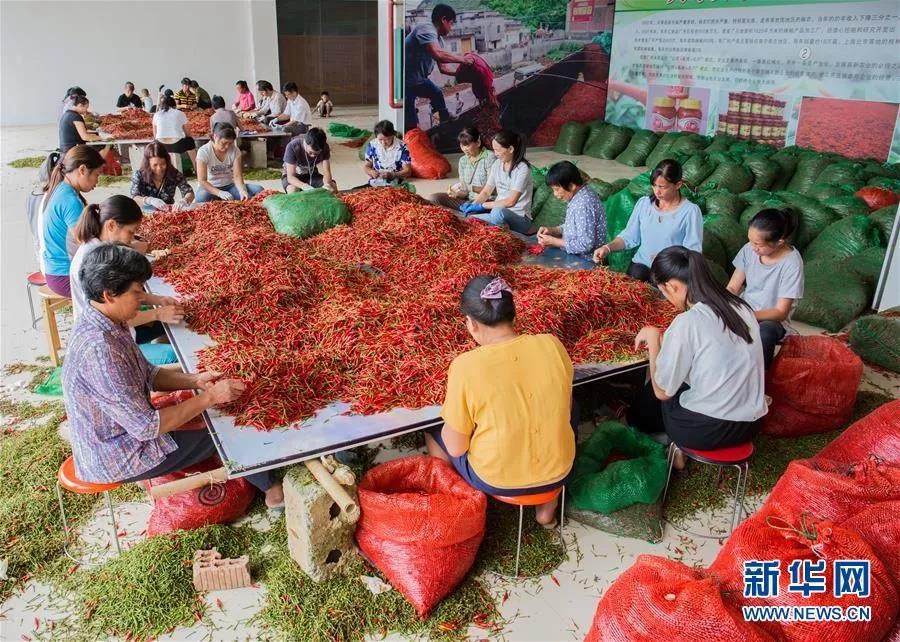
170,314
650,337
206,380
225,391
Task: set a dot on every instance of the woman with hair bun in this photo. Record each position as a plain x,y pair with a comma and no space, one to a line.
772,271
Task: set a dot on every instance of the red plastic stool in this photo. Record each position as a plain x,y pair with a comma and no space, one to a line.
533,500
34,280
733,456
66,478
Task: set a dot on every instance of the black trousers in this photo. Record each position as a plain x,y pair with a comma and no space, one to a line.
771,333
186,144
639,272
195,446
314,180
685,427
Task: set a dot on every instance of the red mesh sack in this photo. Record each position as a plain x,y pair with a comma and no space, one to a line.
832,490
477,71
215,504
420,525
166,399
878,197
878,434
427,162
661,599
111,165
813,383
756,539
879,526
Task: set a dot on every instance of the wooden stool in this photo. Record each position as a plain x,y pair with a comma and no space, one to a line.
51,303
34,280
66,478
533,500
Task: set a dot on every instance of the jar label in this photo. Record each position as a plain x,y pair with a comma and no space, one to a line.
689,124
660,123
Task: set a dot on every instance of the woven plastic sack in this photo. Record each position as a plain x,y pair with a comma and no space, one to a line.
618,210
843,173
341,130
883,220
596,131
823,191
843,238
662,599
612,143
765,170
689,144
832,296
52,385
724,203
867,265
421,525
878,197
807,173
788,162
571,139
755,208
879,526
426,161
714,250
603,189
892,184
603,486
848,205
877,434
639,148
696,169
730,175
732,235
721,143
812,217
307,213
803,539
813,383
217,503
876,339
661,151
757,196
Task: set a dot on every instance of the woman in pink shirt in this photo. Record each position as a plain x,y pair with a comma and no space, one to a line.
244,100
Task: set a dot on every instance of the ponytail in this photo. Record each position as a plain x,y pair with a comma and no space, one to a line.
119,208
689,267
508,138
74,158
775,224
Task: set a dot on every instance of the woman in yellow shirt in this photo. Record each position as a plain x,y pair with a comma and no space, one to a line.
507,413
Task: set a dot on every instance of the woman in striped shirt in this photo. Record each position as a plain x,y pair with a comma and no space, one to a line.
474,168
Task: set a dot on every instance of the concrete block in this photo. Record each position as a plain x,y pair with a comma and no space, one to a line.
320,535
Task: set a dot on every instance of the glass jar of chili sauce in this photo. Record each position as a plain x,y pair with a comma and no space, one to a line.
677,92
662,119
690,113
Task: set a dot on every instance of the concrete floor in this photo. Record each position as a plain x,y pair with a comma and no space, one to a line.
538,610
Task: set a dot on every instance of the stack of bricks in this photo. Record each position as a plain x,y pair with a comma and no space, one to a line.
757,117
212,572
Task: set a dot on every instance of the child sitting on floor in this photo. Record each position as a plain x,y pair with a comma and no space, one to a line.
324,106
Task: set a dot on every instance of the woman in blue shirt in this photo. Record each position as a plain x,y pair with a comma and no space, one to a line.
61,208
661,220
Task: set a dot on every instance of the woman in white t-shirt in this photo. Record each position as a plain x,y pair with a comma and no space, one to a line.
706,387
772,270
219,169
170,129
511,177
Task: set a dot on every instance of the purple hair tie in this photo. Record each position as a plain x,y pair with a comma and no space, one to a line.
495,289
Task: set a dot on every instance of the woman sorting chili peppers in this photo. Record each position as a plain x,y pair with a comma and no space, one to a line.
153,185
584,228
661,220
475,166
387,157
117,434
706,373
508,406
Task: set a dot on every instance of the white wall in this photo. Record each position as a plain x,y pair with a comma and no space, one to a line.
48,46
385,42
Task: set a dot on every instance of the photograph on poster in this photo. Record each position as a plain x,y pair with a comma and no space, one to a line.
526,65
823,122
675,108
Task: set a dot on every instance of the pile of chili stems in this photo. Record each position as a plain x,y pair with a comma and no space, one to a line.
368,313
138,124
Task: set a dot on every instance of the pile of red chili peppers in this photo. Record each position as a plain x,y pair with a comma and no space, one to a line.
368,313
138,124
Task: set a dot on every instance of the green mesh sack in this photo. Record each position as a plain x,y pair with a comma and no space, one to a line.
756,196
552,214
883,220
867,265
724,203
571,139
603,189
619,184
602,486
844,238
823,191
661,151
886,182
362,150
596,131
730,175
718,273
305,214
612,143
640,521
848,205
812,217
846,173
808,170
714,250
872,168
732,234
639,148
689,144
52,385
541,192
341,130
764,169
719,156
876,339
721,143
618,210
755,208
640,185
832,297
788,162
697,168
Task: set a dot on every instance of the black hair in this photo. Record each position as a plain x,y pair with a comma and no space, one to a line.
75,91
119,208
490,312
290,86
166,103
315,138
78,100
169,93
130,84
508,138
112,267
384,127
468,135
224,130
669,169
564,174
194,84
74,158
264,85
218,102
689,267
775,224
186,81
243,85
442,11
325,93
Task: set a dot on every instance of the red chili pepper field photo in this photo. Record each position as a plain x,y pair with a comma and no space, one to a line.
854,128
